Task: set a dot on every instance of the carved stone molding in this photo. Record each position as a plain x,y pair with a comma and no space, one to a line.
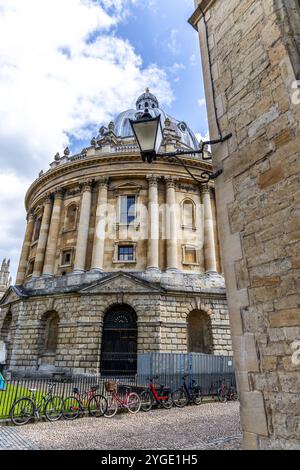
59,193
171,182
30,215
205,189
153,180
102,182
86,185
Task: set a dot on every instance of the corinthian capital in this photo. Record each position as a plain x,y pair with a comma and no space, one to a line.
86,186
152,180
103,182
171,182
58,193
205,189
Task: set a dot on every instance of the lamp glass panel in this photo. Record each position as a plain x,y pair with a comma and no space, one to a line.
146,133
159,137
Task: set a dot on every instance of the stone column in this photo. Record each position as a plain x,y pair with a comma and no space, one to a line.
83,228
209,239
25,249
100,226
171,225
50,256
42,243
153,218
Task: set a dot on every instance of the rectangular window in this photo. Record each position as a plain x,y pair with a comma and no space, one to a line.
126,253
66,258
127,209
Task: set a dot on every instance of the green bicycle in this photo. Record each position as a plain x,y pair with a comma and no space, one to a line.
24,409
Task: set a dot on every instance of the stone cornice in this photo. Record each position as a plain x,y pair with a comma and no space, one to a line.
36,191
203,7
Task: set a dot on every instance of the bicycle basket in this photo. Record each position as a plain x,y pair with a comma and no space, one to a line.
110,386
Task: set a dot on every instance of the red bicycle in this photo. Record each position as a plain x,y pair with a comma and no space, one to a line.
76,404
131,401
156,396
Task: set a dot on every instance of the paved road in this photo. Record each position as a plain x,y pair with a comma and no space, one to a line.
209,426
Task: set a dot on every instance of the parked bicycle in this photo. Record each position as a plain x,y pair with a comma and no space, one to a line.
78,403
187,394
156,396
131,401
227,392
25,408
222,391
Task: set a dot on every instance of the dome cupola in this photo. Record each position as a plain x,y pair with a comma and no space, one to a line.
147,101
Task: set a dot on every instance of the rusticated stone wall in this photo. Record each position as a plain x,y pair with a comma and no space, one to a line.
250,57
162,323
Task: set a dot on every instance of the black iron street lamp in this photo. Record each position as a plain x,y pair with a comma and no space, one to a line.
149,136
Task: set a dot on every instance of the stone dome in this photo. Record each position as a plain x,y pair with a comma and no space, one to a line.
148,101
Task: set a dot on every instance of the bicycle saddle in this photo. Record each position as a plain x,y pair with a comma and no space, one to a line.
94,388
75,390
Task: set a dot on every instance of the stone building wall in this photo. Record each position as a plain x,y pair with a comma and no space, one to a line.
254,61
162,322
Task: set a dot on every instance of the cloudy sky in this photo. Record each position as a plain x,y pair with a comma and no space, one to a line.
69,66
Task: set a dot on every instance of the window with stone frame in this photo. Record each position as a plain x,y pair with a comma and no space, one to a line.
71,217
66,258
127,209
190,255
126,253
188,214
37,229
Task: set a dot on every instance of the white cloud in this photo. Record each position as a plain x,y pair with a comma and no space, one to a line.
63,71
173,41
193,60
201,102
203,138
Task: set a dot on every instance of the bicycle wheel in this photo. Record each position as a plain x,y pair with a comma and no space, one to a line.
22,411
168,403
97,406
71,408
180,398
133,403
234,394
146,400
54,408
112,407
222,395
197,396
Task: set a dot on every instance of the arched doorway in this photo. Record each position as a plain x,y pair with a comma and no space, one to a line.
119,341
199,333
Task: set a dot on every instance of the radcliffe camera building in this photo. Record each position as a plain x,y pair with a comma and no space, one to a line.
120,257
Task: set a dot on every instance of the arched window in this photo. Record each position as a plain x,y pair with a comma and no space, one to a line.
188,215
71,217
199,333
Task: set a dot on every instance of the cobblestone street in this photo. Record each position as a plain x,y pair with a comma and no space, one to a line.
210,426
